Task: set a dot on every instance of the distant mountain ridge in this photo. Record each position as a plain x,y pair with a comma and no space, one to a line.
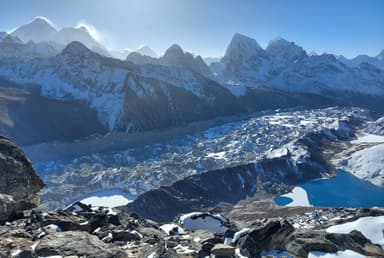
146,92
377,61
127,97
173,56
286,66
141,50
13,47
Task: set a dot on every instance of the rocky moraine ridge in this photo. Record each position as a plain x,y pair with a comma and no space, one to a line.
80,230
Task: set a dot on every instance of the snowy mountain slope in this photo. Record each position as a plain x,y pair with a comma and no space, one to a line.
286,66
286,51
3,34
11,47
119,53
367,164
21,116
381,55
116,89
376,128
39,30
42,30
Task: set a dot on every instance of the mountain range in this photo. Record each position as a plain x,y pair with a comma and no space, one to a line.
144,91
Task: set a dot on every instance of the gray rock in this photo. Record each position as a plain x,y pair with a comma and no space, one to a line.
25,254
160,251
19,184
272,235
125,236
222,250
78,244
305,241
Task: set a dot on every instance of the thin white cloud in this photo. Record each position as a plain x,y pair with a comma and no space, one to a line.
12,30
96,34
141,46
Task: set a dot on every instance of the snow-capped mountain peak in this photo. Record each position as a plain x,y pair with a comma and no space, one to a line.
243,53
241,45
40,29
284,49
146,51
81,34
174,51
175,56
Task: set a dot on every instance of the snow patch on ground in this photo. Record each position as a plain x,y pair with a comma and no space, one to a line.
109,199
171,229
202,221
371,227
339,254
368,138
217,155
240,234
299,197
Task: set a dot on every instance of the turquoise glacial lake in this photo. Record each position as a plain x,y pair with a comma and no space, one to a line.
344,190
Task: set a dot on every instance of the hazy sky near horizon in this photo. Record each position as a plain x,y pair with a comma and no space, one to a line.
205,27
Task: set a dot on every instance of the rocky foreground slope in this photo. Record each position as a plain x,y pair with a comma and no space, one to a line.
80,230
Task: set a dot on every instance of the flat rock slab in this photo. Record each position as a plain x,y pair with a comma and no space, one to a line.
72,243
223,250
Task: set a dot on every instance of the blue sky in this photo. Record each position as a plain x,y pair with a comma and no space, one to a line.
347,27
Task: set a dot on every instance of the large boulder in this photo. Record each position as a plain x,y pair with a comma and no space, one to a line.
76,243
19,184
273,235
222,250
305,241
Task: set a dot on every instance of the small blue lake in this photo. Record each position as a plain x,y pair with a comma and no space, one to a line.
344,190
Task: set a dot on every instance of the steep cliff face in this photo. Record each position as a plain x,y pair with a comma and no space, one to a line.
19,184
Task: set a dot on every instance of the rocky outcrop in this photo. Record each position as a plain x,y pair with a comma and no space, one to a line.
19,184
